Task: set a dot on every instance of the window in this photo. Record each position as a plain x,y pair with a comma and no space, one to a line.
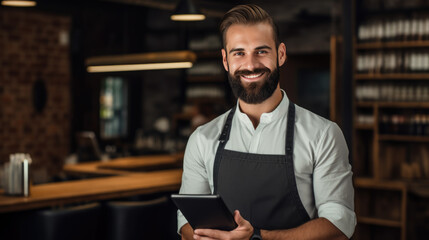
113,108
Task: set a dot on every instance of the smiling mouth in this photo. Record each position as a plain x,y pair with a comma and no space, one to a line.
254,76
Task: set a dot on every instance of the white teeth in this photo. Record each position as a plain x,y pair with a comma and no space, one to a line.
253,75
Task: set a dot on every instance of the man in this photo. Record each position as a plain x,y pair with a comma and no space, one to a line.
282,168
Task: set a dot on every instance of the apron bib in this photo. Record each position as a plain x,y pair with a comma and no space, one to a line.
261,186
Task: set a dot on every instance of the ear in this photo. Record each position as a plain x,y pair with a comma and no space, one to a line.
224,60
281,53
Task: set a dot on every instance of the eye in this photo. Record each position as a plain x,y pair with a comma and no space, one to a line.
238,54
262,52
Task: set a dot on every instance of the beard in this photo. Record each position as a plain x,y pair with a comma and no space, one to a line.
255,92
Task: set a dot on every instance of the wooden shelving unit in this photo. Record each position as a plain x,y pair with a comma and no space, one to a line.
380,158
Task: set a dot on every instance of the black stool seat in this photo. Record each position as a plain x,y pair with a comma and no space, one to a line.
79,222
150,219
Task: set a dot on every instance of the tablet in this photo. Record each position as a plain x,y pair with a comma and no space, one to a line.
205,211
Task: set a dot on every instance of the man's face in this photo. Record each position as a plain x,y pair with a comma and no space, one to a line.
252,60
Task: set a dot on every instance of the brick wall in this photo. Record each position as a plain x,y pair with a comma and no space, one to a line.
30,49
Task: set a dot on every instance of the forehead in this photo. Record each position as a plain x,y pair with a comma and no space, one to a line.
249,35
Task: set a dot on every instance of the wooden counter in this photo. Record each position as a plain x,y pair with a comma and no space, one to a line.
57,194
120,184
123,166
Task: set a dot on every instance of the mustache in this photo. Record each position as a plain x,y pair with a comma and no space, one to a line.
248,72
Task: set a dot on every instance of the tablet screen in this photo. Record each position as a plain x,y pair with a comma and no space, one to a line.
205,211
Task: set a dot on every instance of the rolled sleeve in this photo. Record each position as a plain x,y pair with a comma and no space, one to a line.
342,217
332,181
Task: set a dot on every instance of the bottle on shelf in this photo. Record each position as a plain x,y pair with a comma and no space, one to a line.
398,61
392,92
394,28
405,124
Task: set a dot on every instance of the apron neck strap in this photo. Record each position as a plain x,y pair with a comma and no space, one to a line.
290,129
224,136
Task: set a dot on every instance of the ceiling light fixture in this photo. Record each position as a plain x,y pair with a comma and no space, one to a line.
141,61
187,11
139,67
18,3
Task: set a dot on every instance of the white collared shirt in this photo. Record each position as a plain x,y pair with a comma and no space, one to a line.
322,170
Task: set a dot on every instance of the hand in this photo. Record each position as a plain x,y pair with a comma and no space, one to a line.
244,231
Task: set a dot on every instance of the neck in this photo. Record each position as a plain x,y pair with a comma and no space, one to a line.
254,111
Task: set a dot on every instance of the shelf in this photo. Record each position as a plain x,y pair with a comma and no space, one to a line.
392,76
364,126
206,78
394,104
403,138
379,222
399,9
365,104
401,44
420,188
361,182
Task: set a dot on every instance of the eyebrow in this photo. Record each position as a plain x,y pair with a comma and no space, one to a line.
257,48
236,50
263,47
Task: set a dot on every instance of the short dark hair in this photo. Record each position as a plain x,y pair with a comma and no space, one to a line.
247,14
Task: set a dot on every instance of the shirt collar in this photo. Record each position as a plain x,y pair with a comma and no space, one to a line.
279,112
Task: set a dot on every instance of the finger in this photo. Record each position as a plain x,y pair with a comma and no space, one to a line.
211,233
238,218
198,237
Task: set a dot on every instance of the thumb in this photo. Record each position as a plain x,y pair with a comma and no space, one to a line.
238,218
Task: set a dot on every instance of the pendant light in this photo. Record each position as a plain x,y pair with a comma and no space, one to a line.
187,11
18,3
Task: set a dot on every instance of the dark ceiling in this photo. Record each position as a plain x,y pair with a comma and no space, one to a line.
303,23
281,10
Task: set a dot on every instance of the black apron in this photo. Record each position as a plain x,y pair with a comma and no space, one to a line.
261,186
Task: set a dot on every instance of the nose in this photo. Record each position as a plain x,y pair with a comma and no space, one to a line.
251,62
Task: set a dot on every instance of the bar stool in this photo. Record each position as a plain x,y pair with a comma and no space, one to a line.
132,220
78,222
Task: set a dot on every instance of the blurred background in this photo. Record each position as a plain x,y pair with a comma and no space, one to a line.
48,97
